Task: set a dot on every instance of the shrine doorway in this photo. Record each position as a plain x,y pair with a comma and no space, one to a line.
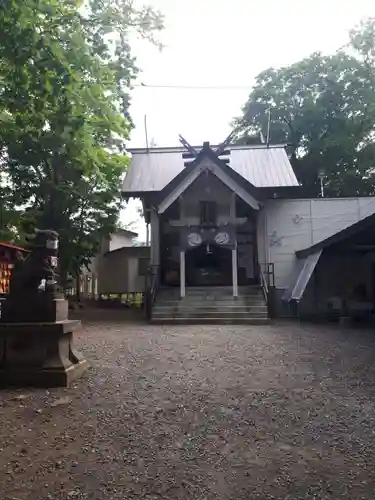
209,265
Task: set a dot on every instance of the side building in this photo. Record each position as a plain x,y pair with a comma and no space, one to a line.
120,267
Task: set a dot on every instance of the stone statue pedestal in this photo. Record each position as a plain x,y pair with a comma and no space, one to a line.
39,354
36,336
34,308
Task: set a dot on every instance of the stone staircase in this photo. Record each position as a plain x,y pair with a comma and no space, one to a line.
210,305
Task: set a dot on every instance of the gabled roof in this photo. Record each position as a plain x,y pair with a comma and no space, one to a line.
151,170
227,175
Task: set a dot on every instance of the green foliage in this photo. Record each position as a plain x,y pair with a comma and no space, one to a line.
65,72
323,108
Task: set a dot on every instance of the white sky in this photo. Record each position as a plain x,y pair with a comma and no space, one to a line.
225,43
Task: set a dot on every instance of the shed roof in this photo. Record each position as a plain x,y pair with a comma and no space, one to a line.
137,251
342,235
263,167
125,232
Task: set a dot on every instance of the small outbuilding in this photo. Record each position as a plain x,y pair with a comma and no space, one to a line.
336,276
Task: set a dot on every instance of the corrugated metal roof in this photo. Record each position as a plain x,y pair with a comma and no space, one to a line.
303,271
262,166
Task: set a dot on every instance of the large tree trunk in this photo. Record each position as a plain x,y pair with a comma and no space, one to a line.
78,287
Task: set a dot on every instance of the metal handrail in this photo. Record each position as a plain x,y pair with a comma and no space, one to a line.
267,277
271,273
263,282
268,270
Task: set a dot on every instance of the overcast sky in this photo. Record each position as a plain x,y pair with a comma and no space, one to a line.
221,43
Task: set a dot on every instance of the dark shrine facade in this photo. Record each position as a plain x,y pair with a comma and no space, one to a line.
204,232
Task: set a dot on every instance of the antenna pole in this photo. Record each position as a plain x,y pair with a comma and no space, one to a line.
268,127
321,177
146,134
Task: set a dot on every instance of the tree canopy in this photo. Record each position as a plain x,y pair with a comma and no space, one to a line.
323,108
66,69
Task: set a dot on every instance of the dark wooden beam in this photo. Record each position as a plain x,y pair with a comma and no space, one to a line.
225,153
225,143
185,143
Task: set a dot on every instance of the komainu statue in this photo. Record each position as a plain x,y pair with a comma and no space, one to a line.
27,299
40,264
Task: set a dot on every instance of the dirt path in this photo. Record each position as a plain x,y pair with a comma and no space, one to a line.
200,413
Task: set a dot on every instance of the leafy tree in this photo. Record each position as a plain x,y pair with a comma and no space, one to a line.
65,72
323,108
9,217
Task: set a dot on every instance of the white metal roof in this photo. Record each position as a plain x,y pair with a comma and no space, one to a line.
264,167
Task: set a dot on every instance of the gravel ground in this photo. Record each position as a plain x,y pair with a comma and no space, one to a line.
274,412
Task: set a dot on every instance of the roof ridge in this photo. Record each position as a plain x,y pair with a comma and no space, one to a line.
181,149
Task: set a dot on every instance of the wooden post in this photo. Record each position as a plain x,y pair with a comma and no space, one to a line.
232,212
147,234
235,272
155,239
234,250
182,273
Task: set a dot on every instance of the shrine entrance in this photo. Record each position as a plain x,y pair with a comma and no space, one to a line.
209,265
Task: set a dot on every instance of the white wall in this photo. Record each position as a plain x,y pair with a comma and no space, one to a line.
118,272
136,283
291,225
120,240
114,242
262,236
245,248
113,273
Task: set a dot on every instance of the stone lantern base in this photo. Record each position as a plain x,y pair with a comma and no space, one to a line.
39,354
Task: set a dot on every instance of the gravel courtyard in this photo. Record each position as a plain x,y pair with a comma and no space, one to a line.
274,412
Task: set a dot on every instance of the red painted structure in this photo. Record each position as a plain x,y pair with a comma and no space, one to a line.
7,258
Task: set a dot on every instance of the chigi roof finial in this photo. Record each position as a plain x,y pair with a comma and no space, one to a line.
190,148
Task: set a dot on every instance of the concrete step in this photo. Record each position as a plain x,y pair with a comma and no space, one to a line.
230,300
210,321
212,293
219,295
223,289
210,307
216,291
216,306
213,314
211,300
